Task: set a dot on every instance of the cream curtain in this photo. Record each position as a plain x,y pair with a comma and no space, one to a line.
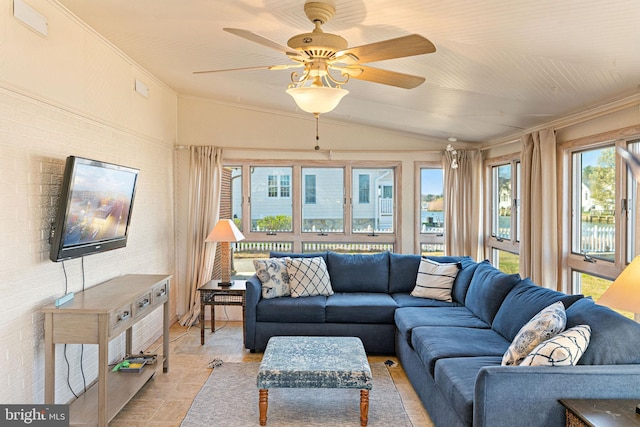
463,201
205,176
539,209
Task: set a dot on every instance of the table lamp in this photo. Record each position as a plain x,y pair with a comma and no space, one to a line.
225,232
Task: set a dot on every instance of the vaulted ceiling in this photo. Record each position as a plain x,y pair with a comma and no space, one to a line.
501,66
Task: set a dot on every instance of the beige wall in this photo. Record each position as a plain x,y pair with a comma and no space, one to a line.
71,93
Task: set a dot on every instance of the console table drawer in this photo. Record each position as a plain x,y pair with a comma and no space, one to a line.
143,304
120,319
160,292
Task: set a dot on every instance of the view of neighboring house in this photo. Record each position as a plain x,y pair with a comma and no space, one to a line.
322,199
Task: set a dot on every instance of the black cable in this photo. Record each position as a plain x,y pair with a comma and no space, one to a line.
68,371
84,380
82,265
66,279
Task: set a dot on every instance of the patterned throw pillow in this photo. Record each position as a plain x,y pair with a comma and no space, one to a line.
273,275
565,349
544,325
435,280
308,277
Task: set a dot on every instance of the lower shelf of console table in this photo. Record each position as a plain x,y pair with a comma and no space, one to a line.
96,316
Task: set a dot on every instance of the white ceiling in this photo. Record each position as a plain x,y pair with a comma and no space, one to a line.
501,66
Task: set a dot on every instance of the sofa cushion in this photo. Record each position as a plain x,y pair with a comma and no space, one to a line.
487,290
292,310
463,280
614,338
359,273
308,277
403,269
408,318
360,307
522,303
406,300
456,379
435,280
547,323
433,343
273,276
564,349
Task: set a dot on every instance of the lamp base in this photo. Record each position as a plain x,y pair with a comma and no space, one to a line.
225,284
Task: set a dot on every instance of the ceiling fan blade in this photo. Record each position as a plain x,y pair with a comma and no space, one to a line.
265,67
248,35
413,44
386,77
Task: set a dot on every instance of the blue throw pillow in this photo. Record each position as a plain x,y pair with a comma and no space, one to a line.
614,338
488,289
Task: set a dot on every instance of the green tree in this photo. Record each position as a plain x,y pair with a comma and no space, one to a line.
601,179
275,223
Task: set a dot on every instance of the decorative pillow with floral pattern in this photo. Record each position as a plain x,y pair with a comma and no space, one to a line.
273,275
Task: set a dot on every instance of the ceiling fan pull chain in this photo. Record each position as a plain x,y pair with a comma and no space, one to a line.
317,147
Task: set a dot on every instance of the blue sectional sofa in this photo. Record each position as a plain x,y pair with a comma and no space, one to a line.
452,351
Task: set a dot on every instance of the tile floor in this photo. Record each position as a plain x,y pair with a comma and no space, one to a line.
166,398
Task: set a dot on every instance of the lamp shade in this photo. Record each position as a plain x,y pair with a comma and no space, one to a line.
225,231
624,292
317,100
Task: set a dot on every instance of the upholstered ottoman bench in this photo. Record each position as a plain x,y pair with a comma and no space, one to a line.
314,362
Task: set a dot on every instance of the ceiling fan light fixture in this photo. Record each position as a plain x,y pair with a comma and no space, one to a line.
317,100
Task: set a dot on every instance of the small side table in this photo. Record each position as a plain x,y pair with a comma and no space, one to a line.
212,294
601,412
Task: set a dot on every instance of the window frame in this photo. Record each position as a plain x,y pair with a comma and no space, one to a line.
494,244
573,263
296,237
419,237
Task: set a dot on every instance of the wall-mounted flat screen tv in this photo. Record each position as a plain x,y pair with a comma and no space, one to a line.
94,209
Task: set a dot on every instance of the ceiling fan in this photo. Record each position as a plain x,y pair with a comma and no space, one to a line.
315,89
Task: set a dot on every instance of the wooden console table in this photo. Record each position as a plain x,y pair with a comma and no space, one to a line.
96,316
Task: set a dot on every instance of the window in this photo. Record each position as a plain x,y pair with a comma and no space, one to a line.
272,186
599,226
285,186
363,189
373,214
236,190
506,261
503,244
313,205
310,189
323,208
501,201
271,191
429,201
594,220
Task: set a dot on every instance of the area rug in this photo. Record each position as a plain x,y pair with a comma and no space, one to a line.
229,398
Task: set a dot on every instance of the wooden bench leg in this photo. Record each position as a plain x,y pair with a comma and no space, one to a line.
263,404
364,407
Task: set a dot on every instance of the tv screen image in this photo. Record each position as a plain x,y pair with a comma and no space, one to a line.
94,210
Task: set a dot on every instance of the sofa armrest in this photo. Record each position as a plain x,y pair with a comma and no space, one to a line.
252,298
528,396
